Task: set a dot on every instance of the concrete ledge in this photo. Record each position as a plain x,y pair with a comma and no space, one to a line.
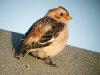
72,61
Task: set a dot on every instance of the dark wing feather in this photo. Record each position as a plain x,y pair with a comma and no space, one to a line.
44,39
52,33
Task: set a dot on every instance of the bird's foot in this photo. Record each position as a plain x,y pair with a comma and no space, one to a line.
52,64
49,61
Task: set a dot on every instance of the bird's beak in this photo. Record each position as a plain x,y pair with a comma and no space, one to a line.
68,17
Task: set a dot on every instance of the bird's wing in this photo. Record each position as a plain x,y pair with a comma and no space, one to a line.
30,29
42,33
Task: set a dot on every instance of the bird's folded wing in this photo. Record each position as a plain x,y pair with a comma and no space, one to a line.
41,35
30,29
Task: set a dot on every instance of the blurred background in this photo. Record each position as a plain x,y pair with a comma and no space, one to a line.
84,28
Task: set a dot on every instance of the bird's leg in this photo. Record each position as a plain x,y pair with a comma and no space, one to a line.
49,61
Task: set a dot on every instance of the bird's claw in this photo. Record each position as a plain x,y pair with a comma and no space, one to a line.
52,64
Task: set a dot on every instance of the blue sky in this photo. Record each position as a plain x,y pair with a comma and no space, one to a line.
84,28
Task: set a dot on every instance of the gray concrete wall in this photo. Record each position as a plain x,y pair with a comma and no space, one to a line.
71,61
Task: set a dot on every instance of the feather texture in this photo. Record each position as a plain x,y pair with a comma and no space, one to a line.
41,33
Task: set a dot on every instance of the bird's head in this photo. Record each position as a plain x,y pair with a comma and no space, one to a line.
60,14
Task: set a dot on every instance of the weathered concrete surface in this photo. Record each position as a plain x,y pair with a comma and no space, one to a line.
72,61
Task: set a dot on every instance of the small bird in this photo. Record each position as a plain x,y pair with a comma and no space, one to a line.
47,36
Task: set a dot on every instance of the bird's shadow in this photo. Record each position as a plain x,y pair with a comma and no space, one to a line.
16,41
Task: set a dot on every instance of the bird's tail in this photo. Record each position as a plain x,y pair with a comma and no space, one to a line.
21,54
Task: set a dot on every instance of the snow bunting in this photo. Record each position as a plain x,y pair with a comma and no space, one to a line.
47,36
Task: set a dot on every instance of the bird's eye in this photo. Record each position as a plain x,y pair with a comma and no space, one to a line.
61,14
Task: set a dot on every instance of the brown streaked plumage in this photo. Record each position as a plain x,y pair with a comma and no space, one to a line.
47,36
